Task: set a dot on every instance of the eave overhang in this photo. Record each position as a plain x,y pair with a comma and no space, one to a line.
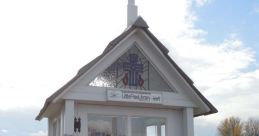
139,24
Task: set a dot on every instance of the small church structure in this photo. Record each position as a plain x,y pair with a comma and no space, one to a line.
134,88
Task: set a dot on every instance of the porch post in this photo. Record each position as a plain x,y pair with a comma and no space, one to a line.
128,126
50,127
188,122
69,118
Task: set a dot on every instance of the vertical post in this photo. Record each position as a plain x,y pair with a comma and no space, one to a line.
58,127
85,124
188,122
128,126
132,12
50,127
62,122
158,130
114,126
69,112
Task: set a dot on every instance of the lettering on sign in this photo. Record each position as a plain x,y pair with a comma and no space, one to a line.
134,96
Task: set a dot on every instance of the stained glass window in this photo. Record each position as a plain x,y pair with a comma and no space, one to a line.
131,71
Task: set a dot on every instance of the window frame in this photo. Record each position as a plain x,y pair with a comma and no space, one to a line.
128,121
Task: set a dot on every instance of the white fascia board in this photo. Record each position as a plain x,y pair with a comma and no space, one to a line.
98,95
95,69
120,49
191,93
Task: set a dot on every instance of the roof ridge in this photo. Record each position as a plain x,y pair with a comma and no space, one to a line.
140,22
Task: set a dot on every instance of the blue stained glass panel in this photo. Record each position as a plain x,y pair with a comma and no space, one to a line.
131,71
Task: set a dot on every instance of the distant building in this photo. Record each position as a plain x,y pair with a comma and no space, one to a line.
132,89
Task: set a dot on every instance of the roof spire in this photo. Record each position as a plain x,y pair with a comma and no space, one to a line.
132,12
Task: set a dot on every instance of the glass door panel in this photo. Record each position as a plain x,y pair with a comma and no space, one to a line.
100,125
147,126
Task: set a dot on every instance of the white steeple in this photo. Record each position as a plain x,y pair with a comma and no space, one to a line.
132,12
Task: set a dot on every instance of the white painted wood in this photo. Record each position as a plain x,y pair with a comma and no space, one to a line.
132,12
85,132
168,70
155,57
55,128
50,127
69,117
79,96
61,122
108,59
99,94
173,118
137,96
159,130
117,52
58,127
128,126
131,2
98,67
188,122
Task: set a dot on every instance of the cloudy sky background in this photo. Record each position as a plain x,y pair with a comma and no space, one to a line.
44,43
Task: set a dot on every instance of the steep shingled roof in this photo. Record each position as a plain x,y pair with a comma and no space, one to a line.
139,23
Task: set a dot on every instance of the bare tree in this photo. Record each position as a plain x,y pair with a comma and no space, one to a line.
251,127
230,127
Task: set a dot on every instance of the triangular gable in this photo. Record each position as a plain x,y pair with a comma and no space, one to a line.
132,71
140,24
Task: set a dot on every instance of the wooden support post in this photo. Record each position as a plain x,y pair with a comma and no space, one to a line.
188,122
69,117
128,126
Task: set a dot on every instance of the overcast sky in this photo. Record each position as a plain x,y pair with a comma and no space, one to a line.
44,43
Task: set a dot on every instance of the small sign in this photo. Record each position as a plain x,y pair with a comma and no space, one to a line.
134,96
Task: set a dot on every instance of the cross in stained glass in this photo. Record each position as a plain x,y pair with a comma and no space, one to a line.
133,70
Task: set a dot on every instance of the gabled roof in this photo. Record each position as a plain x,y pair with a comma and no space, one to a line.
141,24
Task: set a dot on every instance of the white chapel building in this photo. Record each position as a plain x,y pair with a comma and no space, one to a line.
133,88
